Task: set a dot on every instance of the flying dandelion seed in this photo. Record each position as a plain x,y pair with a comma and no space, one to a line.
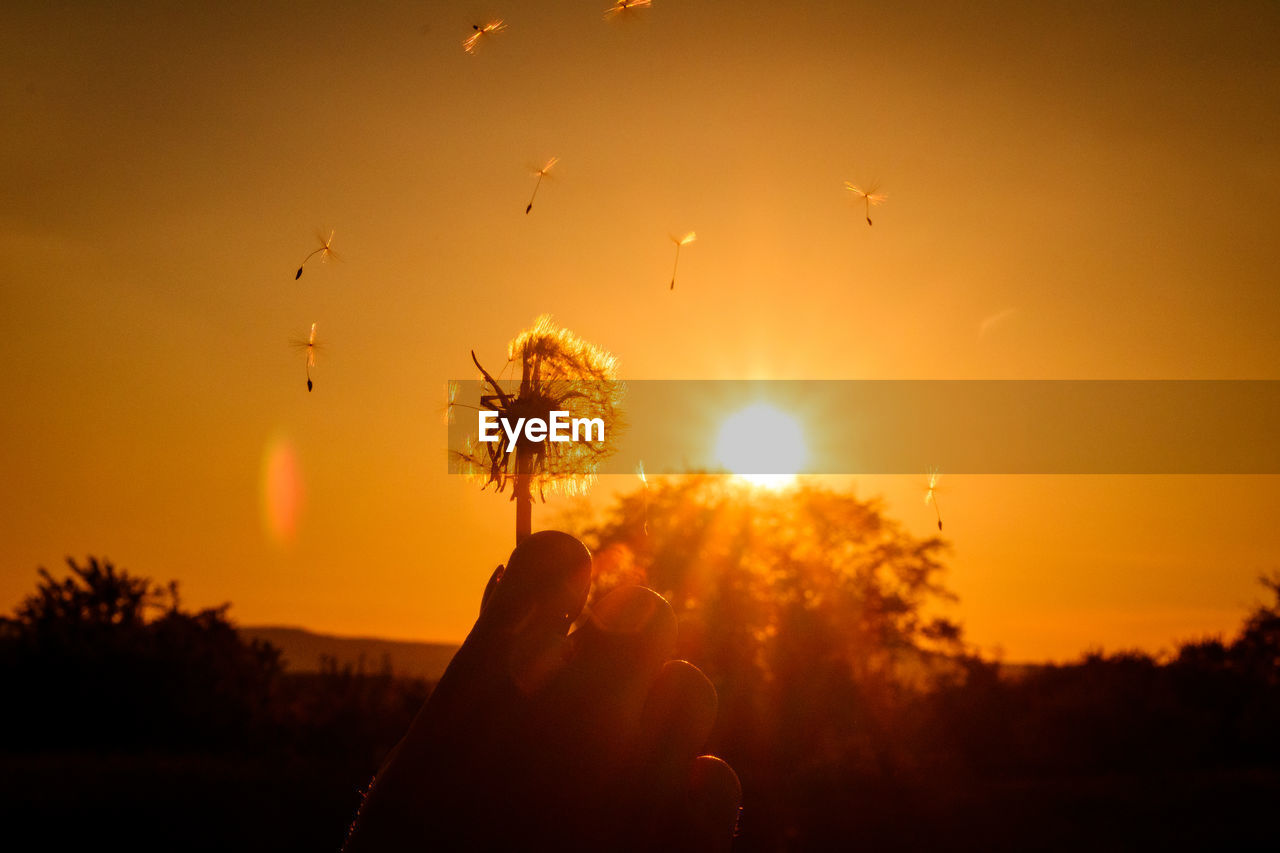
558,372
679,241
931,494
871,197
644,482
624,6
990,322
311,347
325,251
541,173
451,389
471,42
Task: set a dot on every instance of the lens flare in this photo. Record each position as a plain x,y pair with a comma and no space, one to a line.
282,493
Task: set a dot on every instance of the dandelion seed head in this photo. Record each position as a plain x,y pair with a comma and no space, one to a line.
558,372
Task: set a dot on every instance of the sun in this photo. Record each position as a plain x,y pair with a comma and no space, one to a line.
762,445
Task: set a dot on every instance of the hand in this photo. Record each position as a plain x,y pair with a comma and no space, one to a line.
540,739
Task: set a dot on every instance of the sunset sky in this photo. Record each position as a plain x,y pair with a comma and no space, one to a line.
1075,191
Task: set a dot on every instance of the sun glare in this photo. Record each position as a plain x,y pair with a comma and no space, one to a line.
762,445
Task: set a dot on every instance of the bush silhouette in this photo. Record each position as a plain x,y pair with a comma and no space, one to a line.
104,658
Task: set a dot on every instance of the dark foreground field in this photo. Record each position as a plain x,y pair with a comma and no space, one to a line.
140,802
852,719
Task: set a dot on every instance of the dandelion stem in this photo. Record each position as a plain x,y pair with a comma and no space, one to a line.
524,459
523,496
304,263
529,206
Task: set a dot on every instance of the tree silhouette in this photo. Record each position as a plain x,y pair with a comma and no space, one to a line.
1256,652
95,595
809,610
105,657
781,577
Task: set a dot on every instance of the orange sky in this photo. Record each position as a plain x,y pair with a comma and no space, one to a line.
1103,179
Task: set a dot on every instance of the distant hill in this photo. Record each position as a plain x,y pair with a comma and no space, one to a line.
304,649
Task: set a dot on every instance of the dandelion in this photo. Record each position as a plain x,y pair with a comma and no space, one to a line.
558,372
471,42
679,241
310,346
623,6
325,251
931,494
541,173
871,197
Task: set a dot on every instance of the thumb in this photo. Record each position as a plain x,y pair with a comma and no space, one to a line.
526,612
